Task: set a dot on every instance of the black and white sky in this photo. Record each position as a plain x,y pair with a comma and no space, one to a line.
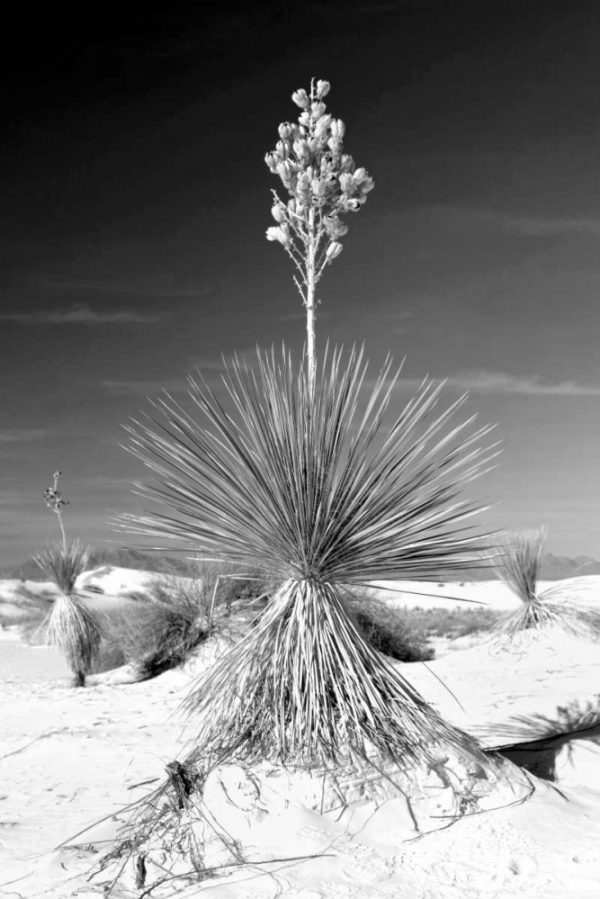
135,200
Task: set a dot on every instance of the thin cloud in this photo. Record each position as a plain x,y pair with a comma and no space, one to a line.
81,315
145,388
554,227
22,435
469,217
500,383
494,382
210,367
161,287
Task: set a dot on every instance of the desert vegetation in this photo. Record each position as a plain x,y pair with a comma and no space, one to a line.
69,625
558,605
288,470
295,485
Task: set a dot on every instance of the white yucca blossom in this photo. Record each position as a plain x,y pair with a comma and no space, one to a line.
323,184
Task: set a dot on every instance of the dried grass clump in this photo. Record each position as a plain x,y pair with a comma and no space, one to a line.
70,625
388,630
560,605
180,614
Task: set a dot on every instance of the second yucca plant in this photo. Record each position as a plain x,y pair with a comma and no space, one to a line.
558,605
69,625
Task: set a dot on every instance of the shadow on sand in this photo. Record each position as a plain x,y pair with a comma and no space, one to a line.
534,742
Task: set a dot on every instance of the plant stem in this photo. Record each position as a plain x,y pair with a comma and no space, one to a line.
62,531
310,302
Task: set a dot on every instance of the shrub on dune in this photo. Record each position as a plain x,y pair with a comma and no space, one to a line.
181,613
389,631
559,605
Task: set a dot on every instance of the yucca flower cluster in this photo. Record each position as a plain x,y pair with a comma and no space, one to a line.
323,184
55,501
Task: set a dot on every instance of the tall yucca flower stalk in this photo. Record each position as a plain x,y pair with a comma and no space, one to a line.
323,184
69,625
561,604
311,485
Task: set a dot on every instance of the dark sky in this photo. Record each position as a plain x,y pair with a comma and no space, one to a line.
135,200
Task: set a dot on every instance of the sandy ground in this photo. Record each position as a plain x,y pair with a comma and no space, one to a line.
71,757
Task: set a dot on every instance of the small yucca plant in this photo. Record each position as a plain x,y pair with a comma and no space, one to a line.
309,487
69,625
559,605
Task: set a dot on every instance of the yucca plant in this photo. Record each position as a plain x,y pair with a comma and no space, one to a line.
559,605
69,625
317,491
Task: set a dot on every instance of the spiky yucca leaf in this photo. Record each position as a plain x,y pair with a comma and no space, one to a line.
560,605
305,687
64,564
312,486
313,490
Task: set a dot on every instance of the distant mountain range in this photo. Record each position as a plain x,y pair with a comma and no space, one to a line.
553,567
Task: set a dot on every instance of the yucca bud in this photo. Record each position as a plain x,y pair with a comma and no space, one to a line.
323,88
346,182
278,213
359,174
334,227
317,109
318,188
285,130
300,98
333,251
347,163
337,129
303,183
304,118
272,161
279,233
301,150
272,233
322,126
282,148
285,170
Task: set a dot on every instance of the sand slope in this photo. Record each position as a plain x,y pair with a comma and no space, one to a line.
70,757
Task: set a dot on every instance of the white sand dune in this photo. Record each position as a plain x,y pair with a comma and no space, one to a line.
472,594
70,757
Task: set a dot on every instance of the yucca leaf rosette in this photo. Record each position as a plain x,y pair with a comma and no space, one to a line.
70,625
320,491
564,604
